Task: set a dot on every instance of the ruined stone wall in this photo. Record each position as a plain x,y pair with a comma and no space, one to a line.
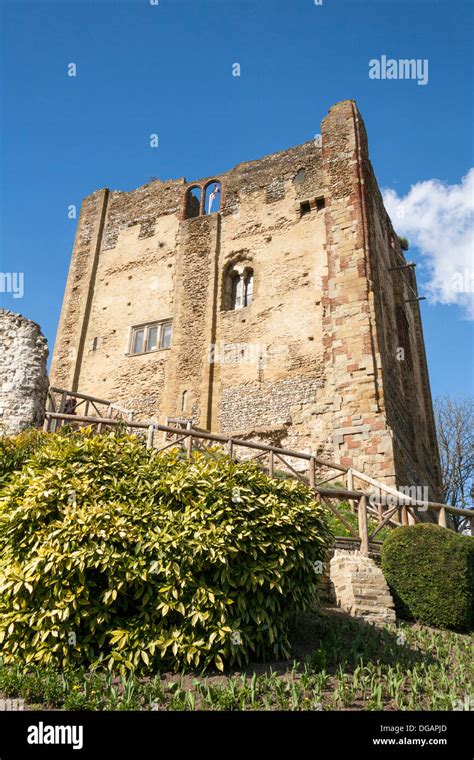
23,376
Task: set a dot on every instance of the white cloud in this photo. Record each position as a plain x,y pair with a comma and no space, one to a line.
439,220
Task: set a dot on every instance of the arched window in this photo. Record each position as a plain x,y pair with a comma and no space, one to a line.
184,401
242,288
193,202
213,197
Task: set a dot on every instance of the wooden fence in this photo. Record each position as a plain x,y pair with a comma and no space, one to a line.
382,506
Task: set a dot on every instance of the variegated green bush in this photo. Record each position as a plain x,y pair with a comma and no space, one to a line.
15,450
113,554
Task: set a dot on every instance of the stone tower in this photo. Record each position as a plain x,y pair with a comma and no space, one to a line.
23,377
286,312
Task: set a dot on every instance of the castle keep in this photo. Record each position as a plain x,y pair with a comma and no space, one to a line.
281,309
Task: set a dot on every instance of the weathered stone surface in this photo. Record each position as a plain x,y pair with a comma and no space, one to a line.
312,363
12,705
358,586
23,376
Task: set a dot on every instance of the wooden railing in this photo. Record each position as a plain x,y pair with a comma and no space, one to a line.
384,506
58,400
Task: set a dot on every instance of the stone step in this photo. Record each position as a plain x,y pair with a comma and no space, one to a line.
359,587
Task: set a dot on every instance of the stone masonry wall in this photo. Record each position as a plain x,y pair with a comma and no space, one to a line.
23,377
311,363
359,587
404,383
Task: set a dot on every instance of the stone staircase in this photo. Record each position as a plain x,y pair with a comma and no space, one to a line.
357,585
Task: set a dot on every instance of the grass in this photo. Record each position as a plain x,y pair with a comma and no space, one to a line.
339,664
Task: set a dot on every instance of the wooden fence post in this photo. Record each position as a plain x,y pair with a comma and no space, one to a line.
270,463
442,518
312,472
350,486
189,444
62,405
363,531
380,506
48,408
230,448
150,436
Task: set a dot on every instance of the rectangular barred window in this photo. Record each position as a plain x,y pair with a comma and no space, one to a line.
146,338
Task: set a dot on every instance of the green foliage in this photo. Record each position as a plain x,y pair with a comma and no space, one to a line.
339,529
113,554
430,571
16,450
404,244
354,666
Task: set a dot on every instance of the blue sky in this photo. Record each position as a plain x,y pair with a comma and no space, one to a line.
167,69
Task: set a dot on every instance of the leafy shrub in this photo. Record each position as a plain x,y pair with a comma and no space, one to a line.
430,571
114,554
15,451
